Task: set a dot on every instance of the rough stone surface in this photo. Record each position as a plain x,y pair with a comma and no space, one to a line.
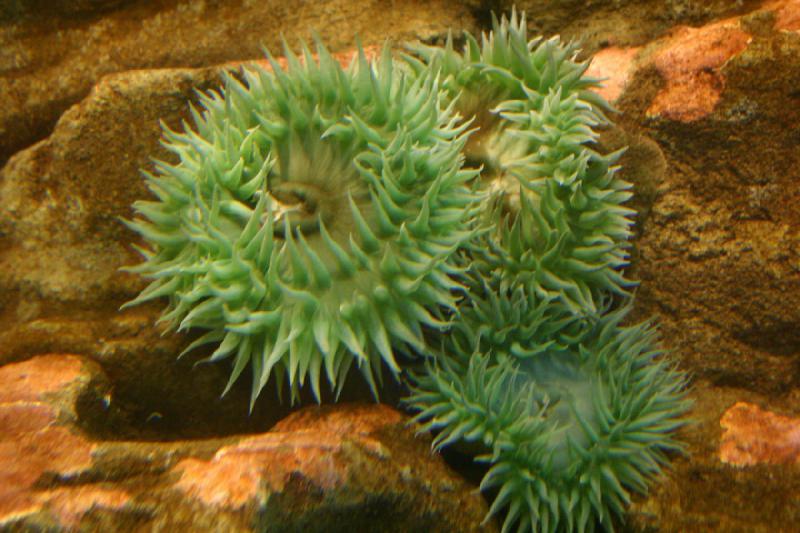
719,254
689,62
701,493
50,57
41,402
321,469
334,469
625,23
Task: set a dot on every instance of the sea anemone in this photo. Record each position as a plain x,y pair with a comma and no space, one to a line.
535,113
310,220
573,414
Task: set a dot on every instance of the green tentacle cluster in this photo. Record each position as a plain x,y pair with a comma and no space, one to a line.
536,113
311,218
447,214
574,414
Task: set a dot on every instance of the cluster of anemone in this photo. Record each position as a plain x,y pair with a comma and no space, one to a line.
444,216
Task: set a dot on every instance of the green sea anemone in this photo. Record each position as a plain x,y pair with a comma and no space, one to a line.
310,219
573,414
535,112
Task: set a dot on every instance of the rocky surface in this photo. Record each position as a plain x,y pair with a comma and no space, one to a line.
708,101
598,24
718,253
52,53
322,469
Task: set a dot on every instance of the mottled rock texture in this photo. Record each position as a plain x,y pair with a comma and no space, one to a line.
321,469
718,251
753,435
52,53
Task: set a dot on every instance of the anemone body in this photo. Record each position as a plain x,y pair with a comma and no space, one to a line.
573,414
536,115
310,219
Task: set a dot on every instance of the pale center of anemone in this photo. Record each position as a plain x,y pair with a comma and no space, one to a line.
566,391
496,149
298,205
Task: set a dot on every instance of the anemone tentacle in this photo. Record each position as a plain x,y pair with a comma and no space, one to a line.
311,219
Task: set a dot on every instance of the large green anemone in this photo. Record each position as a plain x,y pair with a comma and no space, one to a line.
310,219
536,113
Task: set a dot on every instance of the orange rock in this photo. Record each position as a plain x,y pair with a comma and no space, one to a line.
31,379
34,438
787,14
236,473
689,61
614,65
69,504
753,435
310,442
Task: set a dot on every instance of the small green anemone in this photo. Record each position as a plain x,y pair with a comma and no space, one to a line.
310,219
536,115
574,414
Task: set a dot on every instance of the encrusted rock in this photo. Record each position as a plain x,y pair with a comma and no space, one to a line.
40,401
690,62
753,436
334,468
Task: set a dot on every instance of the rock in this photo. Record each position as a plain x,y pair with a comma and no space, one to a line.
690,63
348,467
703,493
342,468
41,403
50,57
720,248
598,24
753,435
718,252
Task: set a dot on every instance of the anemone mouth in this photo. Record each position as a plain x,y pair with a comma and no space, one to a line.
298,206
493,148
566,395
